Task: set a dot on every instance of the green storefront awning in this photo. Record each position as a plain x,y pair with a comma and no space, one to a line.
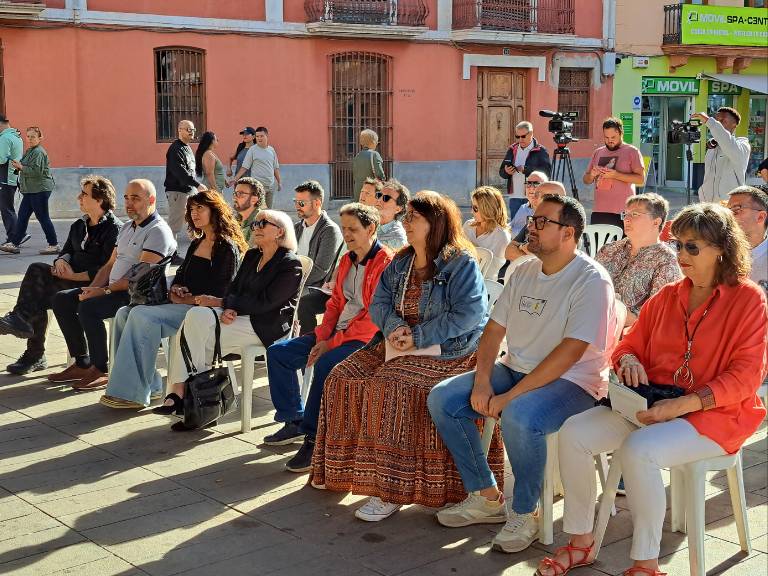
751,82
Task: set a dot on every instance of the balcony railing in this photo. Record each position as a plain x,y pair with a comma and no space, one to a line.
380,12
672,16
541,16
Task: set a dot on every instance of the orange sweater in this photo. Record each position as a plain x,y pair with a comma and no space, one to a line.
728,353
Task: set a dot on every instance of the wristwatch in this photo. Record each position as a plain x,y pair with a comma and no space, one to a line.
107,291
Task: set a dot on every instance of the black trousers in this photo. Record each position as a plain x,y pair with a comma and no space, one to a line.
38,287
311,304
607,218
82,323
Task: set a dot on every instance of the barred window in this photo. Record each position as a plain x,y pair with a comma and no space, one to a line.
573,96
179,90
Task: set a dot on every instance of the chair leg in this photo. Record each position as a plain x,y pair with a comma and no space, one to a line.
306,382
739,503
488,427
601,461
607,501
677,488
546,530
694,513
111,339
246,390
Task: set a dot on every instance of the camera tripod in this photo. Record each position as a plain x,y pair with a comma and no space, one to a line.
562,167
689,160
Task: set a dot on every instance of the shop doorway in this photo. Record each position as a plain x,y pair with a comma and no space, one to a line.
669,165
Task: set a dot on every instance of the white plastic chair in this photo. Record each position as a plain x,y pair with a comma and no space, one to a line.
687,503
248,356
484,259
494,289
595,236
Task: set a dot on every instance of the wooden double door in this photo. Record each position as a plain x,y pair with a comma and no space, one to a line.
501,104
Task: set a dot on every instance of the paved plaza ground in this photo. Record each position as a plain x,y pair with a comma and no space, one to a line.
90,491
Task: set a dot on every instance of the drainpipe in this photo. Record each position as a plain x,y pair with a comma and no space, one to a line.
77,7
274,10
444,15
609,25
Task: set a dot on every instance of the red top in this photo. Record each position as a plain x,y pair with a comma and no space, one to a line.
361,327
728,353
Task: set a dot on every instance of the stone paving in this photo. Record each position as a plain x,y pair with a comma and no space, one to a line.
90,491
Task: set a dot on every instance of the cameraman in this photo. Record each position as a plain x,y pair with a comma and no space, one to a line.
616,169
725,164
526,155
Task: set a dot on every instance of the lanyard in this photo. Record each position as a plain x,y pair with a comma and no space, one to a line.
684,373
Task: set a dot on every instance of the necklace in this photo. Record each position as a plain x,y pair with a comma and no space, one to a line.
684,374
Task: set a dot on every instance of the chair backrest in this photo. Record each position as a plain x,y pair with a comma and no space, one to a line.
595,236
484,259
306,268
494,291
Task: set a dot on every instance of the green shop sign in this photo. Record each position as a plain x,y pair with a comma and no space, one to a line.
718,87
724,25
670,85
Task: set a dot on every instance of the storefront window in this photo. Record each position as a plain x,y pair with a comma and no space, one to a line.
715,101
756,132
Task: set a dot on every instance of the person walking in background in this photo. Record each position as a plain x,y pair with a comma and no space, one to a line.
261,161
247,200
615,169
11,148
180,181
367,163
248,135
524,156
36,185
207,163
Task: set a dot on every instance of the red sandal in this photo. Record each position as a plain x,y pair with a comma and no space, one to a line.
561,570
646,571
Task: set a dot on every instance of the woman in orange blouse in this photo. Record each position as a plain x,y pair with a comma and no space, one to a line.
720,317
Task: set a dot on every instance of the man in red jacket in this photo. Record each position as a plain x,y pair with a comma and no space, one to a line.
346,327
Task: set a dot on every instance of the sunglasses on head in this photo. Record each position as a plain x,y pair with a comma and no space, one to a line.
384,197
261,224
691,247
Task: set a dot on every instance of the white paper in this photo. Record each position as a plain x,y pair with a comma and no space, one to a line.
626,402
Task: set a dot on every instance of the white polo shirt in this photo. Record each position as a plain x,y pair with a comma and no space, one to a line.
151,235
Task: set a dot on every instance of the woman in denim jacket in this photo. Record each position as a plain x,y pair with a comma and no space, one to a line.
375,436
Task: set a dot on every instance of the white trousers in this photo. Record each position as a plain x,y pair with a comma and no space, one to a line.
643,452
199,332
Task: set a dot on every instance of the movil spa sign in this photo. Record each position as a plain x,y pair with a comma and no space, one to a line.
724,25
670,86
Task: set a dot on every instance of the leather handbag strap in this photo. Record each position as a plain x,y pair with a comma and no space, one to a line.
186,355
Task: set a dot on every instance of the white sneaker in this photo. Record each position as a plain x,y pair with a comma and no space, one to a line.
376,509
474,509
520,531
50,249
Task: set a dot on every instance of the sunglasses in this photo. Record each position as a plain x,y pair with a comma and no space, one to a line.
261,224
300,203
691,247
518,137
540,221
625,215
533,183
384,197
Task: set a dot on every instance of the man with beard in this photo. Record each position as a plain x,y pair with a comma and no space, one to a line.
557,313
81,311
616,169
247,200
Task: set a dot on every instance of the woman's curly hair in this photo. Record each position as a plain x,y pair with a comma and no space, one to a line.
222,219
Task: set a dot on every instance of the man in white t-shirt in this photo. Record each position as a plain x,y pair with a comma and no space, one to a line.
261,161
750,208
558,315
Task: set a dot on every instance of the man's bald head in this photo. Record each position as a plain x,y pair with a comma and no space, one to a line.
552,187
140,198
143,185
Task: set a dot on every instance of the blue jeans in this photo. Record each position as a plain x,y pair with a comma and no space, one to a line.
283,360
525,423
37,203
138,331
514,205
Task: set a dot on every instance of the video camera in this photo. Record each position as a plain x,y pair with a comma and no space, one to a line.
684,132
561,126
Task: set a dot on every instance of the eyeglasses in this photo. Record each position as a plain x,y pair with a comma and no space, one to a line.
300,203
410,215
242,194
691,247
631,215
540,221
384,197
738,208
261,224
518,137
189,129
533,183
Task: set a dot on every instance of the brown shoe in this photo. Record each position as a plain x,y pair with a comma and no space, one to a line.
70,374
96,380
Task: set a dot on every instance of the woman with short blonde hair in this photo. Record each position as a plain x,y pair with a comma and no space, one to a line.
488,228
367,164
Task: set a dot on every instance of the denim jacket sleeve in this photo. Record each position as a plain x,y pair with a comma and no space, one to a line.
382,308
465,306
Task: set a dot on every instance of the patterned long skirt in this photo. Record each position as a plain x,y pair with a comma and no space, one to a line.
375,435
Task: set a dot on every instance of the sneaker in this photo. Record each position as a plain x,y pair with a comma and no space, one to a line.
376,510
26,237
10,247
302,460
95,380
520,531
27,363
72,373
15,325
50,250
620,489
288,434
474,509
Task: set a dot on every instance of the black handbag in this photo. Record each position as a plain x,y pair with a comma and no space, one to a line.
207,395
147,284
653,393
